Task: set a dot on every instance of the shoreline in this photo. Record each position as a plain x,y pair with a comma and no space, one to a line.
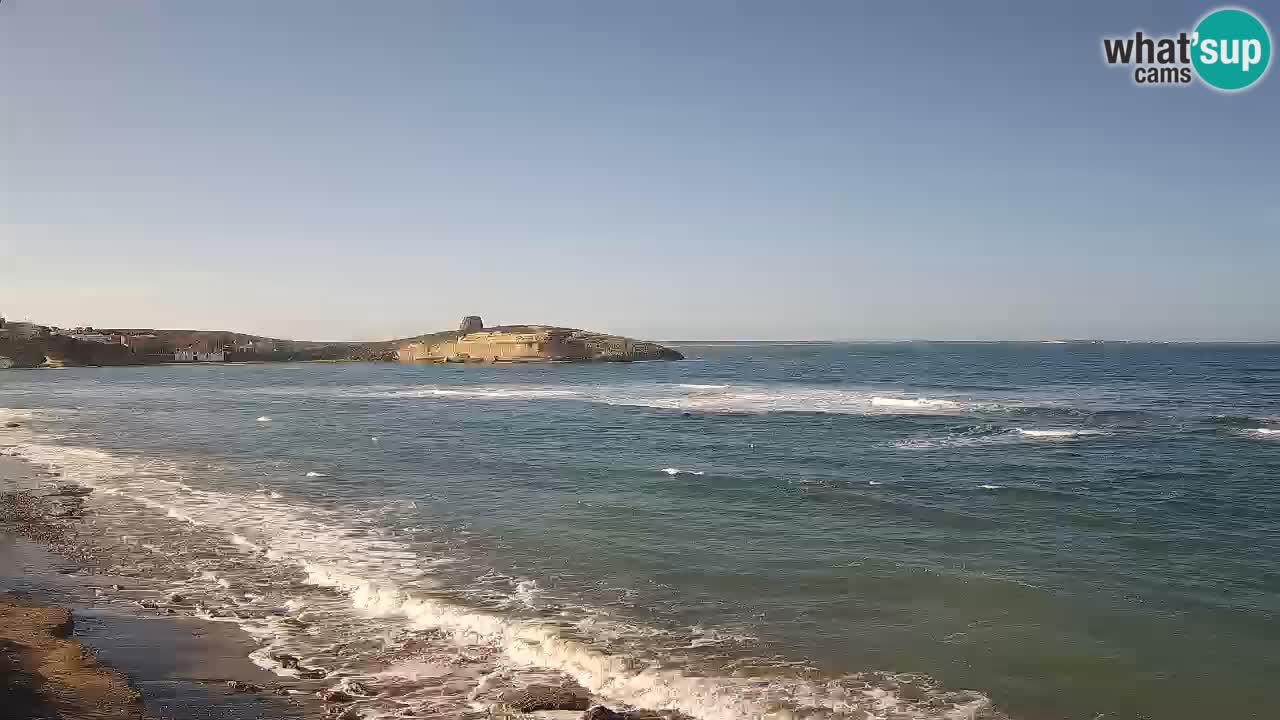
56,604
181,666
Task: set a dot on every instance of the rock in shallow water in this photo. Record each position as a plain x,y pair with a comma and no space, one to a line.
359,688
335,696
600,712
243,687
547,697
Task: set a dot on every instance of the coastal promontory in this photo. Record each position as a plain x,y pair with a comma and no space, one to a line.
28,345
472,342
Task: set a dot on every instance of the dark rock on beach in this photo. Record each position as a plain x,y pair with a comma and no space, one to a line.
46,674
547,697
335,696
243,687
360,688
600,712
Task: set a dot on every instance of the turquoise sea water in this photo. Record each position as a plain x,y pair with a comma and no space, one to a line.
1066,530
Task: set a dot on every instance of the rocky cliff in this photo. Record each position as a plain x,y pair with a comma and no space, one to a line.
62,350
527,343
21,353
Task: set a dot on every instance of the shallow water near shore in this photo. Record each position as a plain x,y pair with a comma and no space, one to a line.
820,530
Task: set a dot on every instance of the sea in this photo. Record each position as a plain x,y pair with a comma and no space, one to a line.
919,530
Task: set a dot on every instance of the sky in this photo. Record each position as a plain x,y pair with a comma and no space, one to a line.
660,169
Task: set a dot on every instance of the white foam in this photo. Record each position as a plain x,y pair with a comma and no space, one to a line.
1056,433
264,419
693,397
512,393
990,487
617,679
673,471
1263,432
992,436
527,592
313,473
242,541
917,403
14,415
382,578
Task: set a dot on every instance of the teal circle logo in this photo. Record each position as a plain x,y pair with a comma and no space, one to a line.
1231,49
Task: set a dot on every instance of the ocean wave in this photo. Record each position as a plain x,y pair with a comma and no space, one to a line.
913,403
1264,432
711,399
619,679
673,471
382,579
993,435
514,393
1057,434
1069,405
14,415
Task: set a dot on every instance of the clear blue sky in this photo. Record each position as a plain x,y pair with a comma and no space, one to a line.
670,170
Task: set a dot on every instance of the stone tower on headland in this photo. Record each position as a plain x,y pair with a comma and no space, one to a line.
470,324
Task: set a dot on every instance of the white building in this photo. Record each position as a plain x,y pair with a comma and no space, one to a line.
193,355
94,338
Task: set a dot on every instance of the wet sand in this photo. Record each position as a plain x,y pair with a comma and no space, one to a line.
71,650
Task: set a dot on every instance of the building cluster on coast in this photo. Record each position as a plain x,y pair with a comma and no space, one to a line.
153,345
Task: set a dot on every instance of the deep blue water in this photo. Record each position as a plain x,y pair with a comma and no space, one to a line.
1071,530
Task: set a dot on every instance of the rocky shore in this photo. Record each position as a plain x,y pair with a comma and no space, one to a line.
45,673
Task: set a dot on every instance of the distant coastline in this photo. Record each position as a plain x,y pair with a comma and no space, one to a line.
30,345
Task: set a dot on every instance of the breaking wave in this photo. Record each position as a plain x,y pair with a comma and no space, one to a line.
993,435
708,398
381,578
913,403
1057,434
